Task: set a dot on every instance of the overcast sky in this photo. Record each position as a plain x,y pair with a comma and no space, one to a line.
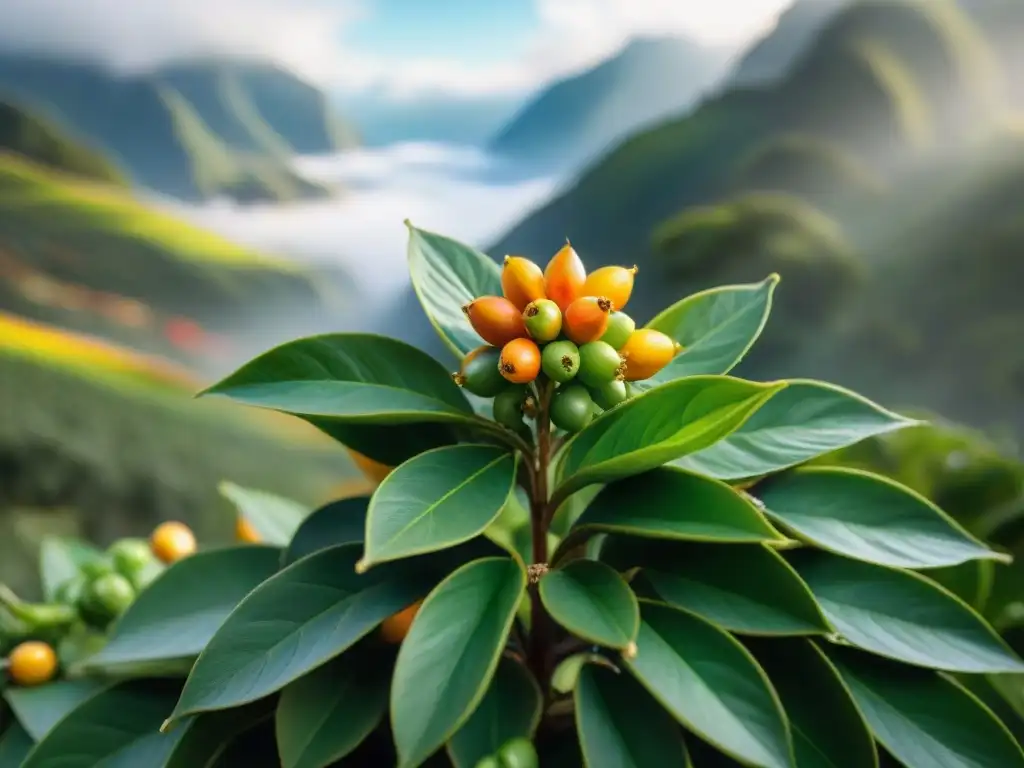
406,46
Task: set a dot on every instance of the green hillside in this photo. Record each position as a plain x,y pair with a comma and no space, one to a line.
879,177
193,131
90,257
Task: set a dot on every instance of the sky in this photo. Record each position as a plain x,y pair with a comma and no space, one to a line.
401,47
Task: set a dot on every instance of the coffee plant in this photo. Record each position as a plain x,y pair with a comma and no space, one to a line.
590,545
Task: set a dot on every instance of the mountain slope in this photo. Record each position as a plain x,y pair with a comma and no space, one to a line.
578,117
222,141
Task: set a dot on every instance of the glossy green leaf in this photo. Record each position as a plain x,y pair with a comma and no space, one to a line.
175,617
203,737
901,615
376,395
567,672
805,420
743,588
925,719
340,522
295,621
511,708
716,328
436,500
669,503
621,726
325,715
870,518
39,708
593,602
667,422
712,685
15,744
446,275
447,660
275,519
117,728
828,729
60,559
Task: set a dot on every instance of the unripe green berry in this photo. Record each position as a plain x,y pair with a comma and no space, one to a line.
508,406
620,328
599,363
609,394
480,374
560,361
572,408
543,320
517,753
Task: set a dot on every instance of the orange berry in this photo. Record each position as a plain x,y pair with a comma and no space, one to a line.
172,541
520,361
32,663
496,319
564,277
616,283
394,628
586,319
374,470
647,352
245,532
522,281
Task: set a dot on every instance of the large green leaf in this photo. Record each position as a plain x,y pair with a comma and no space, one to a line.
39,708
712,685
437,499
325,715
511,708
446,275
747,588
593,602
716,328
447,660
868,518
901,615
925,719
807,419
60,559
117,728
298,619
371,393
15,744
340,522
621,726
667,422
828,729
175,617
275,519
669,503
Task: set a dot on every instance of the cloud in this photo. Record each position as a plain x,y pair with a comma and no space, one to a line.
308,36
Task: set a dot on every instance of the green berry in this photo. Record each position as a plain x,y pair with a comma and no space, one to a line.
110,594
480,373
560,361
94,568
572,408
488,762
543,320
609,394
620,328
130,556
508,406
599,363
517,753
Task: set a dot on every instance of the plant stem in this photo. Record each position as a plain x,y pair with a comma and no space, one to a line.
540,625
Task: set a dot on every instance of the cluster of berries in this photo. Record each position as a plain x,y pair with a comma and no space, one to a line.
566,326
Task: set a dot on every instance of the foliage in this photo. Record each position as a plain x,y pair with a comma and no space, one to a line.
690,585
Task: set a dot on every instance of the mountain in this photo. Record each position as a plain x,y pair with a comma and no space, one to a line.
194,130
881,177
577,118
385,119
